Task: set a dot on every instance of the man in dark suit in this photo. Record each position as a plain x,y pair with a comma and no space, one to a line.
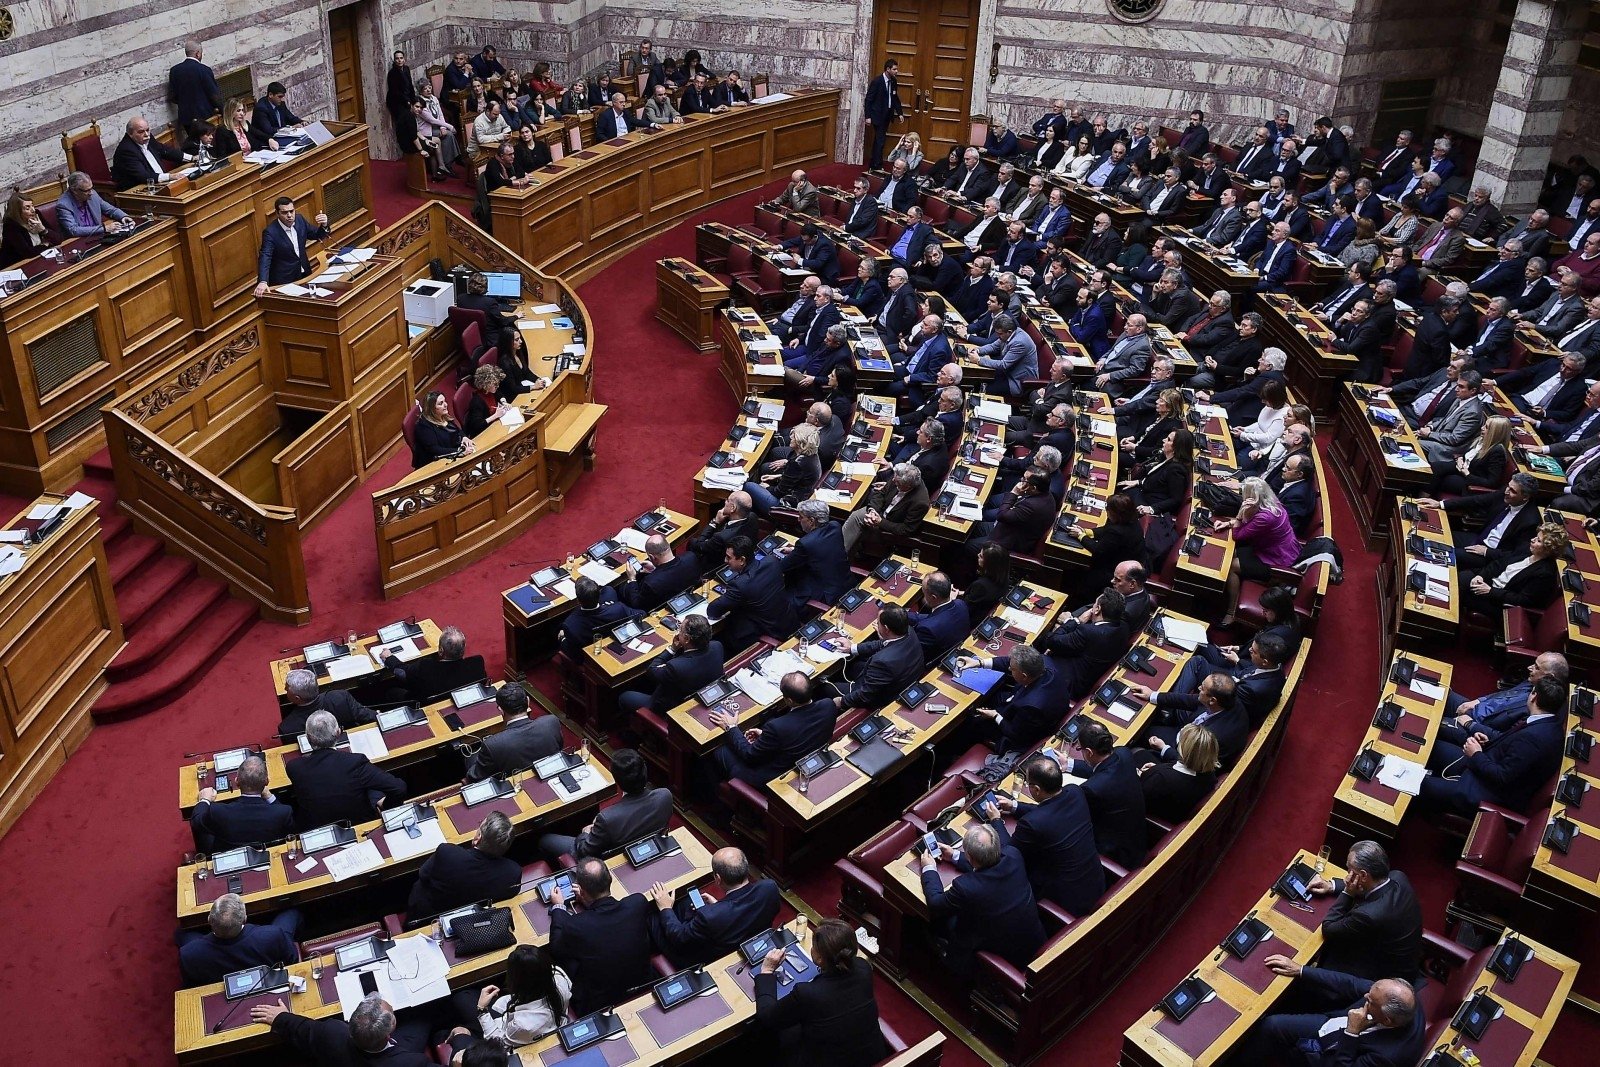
1299,494
1503,277
193,87
742,908
942,622
1055,837
663,576
1395,164
1382,1024
862,221
1551,390
916,241
255,817
598,611
1508,521
1357,335
1258,674
899,193
372,1036
1585,423
1375,927
1022,520
692,662
1255,162
894,508
814,251
1084,646
639,812
330,785
1215,706
1224,223
885,664
972,179
1163,201
430,677
231,944
270,115
617,120
816,568
139,157
735,519
305,699
1029,708
1506,770
990,905
283,246
1430,344
1276,261
457,875
755,601
520,742
1111,169
605,948
882,107
1102,244
1116,799
759,754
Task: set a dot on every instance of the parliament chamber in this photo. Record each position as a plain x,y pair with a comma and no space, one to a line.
705,541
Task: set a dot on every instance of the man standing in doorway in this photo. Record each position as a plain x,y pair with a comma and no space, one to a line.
882,107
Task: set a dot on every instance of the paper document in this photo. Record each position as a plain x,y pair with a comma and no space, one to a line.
1402,774
832,496
348,667
13,536
749,445
318,133
1122,710
14,275
780,663
530,324
858,470
565,588
1022,620
772,98
355,255
969,510
353,860
403,652
756,687
369,743
545,309
42,511
402,846
597,572
1186,635
725,478
631,538
1426,690
11,560
291,289
767,370
993,409
326,277
79,500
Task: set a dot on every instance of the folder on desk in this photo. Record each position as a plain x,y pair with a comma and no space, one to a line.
529,599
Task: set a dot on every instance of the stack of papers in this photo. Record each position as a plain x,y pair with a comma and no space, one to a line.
402,846
630,538
1402,774
756,687
725,478
355,255
352,666
545,309
416,972
1184,634
993,409
11,560
766,344
369,743
353,860
598,573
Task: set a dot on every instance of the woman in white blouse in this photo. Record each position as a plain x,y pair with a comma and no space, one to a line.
1268,426
533,1004
1076,160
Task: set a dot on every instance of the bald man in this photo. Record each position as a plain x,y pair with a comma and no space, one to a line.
734,910
139,157
1381,1028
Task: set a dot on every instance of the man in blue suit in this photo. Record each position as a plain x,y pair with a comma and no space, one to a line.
988,908
1214,706
817,568
598,611
255,817
761,753
1116,799
1000,143
925,354
815,252
1504,770
1054,835
616,120
231,944
1382,1028
824,314
270,115
82,212
913,241
193,87
1460,711
1012,355
943,622
692,937
1551,390
1053,219
1084,646
755,601
1341,228
692,662
885,664
882,107
1276,261
1503,277
1034,706
664,575
1258,674
283,246
1111,169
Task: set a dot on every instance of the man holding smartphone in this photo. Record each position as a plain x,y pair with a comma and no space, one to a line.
1055,836
696,935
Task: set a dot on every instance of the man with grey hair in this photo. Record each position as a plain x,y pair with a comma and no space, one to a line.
373,1035
794,319
81,212
987,232
192,86
895,507
253,817
1503,276
818,566
332,784
138,158
1375,926
926,350
990,905
972,179
1012,355
229,943
1376,1023
735,518
1490,350
306,697
456,875
430,678
1243,401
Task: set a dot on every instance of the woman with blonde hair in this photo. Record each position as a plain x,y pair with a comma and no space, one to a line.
1482,464
1531,581
792,479
233,136
908,148
1170,412
1175,783
1263,539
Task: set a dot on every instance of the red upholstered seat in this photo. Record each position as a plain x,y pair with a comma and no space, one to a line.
408,425
462,399
1529,634
764,291
1494,863
491,355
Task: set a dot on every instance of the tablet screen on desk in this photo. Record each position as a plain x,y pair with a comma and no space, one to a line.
228,761
398,631
548,576
395,718
468,695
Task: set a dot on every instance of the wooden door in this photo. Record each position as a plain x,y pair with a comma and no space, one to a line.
346,63
935,42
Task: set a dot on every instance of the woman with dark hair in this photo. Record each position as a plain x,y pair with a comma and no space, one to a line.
1164,487
437,433
692,65
540,83
945,167
600,90
1135,246
841,392
1049,151
1137,183
1277,605
24,232
834,1017
1119,540
994,578
531,153
532,1003
512,356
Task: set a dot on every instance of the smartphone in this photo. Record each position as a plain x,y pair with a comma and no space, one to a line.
453,720
988,798
222,783
931,843
696,900
235,884
369,982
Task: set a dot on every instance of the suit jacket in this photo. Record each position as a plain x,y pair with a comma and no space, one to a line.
1503,277
676,675
1230,725
1563,313
1300,501
1256,162
458,875
1251,240
1563,405
649,591
1083,652
607,125
1030,712
1587,342
720,927
1275,264
1162,203
1376,936
756,602
1173,310
193,87
629,818
993,911
206,959
1205,334
327,1043
836,1016
1515,765
1015,361
516,747
1056,842
883,100
1116,804
1449,250
221,825
802,198
863,218
266,120
340,704
902,197
885,669
331,785
1375,1047
605,949
1361,339
708,546
921,234
784,739
817,568
940,630
1222,227
430,677
905,516
821,259
129,168
279,262
583,625
977,184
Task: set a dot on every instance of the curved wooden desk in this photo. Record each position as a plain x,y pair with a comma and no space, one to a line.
595,204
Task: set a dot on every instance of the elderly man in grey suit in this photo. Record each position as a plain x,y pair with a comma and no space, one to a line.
1128,358
519,743
1446,436
1012,355
639,812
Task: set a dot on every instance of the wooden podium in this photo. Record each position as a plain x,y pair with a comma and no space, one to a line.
687,299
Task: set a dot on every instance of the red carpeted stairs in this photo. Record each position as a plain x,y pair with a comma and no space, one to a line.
176,621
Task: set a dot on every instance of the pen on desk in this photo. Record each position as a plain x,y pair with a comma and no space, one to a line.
1414,738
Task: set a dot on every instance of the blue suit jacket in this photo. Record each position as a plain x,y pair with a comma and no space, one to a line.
266,121
817,567
1376,1046
221,825
935,353
99,210
1436,204
583,625
1000,146
1052,223
1033,710
606,124
941,629
1562,407
756,602
649,591
676,676
822,260
720,927
1014,257
279,263
1116,803
1088,328
921,233
1337,234
1503,277
1282,266
193,87
784,739
883,99
206,959
994,911
890,667
1056,840
1514,765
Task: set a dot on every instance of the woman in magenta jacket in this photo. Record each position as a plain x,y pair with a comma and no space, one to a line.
1263,539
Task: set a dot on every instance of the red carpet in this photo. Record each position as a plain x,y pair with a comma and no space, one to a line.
87,873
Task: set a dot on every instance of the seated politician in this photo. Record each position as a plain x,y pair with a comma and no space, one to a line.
606,947
662,576
597,612
639,811
139,158
81,212
1054,835
229,943
737,908
989,907
798,725
283,245
884,664
306,698
332,784
430,678
457,875
1174,788
372,1035
690,663
522,739
816,566
833,1018
437,434
254,817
